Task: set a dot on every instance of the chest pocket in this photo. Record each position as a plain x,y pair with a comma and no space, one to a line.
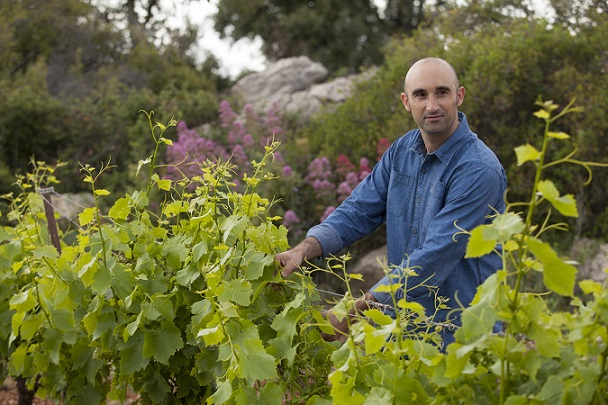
399,192
438,190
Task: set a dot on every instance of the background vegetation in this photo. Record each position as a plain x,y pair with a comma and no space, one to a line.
74,75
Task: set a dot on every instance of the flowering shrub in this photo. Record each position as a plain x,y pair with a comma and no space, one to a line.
331,187
304,195
238,138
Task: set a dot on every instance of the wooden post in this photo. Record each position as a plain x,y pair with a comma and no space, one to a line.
50,216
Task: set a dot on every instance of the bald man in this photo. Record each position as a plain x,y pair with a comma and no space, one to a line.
429,180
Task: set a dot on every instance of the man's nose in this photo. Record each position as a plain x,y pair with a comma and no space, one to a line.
432,104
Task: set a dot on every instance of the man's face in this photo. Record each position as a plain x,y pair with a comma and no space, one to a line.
433,98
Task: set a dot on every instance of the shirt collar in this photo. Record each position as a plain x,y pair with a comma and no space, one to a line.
449,148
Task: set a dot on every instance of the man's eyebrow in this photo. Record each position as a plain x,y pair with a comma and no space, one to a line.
418,91
443,88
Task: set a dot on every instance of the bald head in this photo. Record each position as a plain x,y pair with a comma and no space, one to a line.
429,66
432,95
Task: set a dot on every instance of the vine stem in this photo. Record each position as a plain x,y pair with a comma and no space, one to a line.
604,370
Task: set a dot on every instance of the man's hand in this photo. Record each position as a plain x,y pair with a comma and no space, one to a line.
309,248
341,327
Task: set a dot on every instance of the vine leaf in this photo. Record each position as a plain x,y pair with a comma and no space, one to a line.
526,153
565,204
558,276
162,343
478,245
269,394
120,209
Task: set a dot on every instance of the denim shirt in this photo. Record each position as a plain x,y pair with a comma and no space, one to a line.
424,199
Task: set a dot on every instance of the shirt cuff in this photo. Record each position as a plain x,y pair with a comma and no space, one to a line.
385,297
328,237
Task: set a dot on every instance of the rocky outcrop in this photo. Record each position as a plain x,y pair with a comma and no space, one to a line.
296,85
371,267
592,257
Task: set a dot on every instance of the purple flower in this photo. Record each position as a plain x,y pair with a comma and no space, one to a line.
343,190
190,148
323,188
287,171
239,157
352,179
290,219
227,115
318,169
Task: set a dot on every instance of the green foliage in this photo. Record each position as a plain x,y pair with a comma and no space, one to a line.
504,65
339,34
540,356
179,303
73,85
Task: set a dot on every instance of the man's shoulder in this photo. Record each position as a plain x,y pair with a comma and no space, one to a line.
409,139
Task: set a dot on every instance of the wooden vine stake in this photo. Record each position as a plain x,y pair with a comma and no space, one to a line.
46,193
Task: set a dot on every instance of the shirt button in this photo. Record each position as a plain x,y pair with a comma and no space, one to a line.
423,171
415,231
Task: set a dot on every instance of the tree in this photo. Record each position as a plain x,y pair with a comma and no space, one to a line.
505,63
74,82
338,33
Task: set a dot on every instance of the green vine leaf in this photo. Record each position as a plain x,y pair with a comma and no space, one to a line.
526,153
162,343
566,204
269,394
558,276
478,245
86,216
120,209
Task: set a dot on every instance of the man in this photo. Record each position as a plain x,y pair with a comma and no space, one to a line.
429,183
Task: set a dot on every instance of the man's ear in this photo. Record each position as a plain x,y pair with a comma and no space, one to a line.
460,96
406,102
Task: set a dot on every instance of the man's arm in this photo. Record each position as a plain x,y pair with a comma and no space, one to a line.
309,248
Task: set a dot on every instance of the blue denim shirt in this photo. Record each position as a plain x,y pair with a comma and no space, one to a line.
422,197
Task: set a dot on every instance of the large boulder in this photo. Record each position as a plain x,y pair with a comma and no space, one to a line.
592,257
371,266
296,85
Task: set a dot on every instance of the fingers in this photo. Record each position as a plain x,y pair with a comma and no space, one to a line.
340,328
288,261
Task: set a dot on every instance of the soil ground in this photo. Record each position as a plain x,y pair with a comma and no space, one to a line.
10,396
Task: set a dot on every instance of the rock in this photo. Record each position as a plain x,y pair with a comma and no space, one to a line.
592,257
371,267
286,76
296,86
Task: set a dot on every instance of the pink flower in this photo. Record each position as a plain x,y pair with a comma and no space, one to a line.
344,165
364,166
323,188
352,179
318,169
287,171
343,190
290,219
383,145
227,115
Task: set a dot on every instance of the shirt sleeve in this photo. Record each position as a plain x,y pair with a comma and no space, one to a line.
471,200
362,212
